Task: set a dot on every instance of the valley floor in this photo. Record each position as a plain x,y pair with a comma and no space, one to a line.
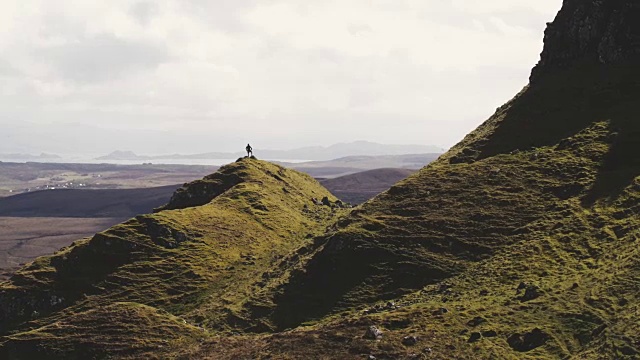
22,239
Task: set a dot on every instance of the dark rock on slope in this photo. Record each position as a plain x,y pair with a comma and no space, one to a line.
528,341
591,32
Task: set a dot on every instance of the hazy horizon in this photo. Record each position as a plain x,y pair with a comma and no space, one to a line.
196,76
310,153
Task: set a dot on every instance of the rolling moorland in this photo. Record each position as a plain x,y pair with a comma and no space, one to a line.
121,203
521,242
79,203
37,223
36,220
16,178
25,238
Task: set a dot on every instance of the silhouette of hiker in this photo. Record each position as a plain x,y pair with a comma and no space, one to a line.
249,150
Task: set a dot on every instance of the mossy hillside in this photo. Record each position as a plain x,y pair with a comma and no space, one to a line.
118,330
536,236
549,216
572,135
587,303
181,261
573,263
556,107
578,253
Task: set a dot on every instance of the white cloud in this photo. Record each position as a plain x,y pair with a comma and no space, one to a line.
496,6
320,71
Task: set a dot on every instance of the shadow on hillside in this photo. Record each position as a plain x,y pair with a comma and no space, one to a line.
556,107
622,164
350,271
559,106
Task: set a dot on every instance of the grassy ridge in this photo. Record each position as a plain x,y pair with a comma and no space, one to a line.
197,262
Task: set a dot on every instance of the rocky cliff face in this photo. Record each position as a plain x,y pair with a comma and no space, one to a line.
605,32
588,72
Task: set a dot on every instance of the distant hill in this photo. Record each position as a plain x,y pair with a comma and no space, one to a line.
28,157
358,148
360,187
353,164
123,155
108,203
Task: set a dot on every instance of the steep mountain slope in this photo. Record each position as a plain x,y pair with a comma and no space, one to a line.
520,242
571,136
200,258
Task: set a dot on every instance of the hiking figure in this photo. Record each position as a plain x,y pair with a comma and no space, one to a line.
249,150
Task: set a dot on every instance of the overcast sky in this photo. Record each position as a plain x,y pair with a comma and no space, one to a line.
187,76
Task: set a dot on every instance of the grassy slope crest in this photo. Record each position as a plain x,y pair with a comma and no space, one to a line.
200,258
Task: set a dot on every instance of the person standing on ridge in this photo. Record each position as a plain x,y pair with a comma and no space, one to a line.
249,150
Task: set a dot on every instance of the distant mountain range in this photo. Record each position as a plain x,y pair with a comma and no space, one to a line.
27,157
354,164
358,148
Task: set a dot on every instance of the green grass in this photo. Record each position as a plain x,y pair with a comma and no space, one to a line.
121,330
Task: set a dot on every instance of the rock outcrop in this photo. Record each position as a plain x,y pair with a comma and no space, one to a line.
591,32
